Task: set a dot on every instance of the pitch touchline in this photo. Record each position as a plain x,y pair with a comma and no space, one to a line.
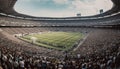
80,43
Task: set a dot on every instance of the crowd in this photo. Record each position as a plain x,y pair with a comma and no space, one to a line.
7,21
99,40
17,61
101,49
15,56
45,29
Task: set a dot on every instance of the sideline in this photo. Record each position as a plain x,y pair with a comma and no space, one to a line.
81,42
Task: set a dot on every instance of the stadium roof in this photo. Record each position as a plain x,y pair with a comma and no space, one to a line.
6,6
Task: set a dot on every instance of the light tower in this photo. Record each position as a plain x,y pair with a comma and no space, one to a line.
78,14
101,11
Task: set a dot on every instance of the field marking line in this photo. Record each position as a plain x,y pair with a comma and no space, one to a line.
81,42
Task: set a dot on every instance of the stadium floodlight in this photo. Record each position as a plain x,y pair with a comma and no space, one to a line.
101,11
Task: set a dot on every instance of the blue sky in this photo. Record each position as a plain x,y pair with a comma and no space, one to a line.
61,8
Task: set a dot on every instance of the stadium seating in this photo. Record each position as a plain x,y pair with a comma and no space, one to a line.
113,20
103,50
100,48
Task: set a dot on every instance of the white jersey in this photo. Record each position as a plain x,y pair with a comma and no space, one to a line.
21,64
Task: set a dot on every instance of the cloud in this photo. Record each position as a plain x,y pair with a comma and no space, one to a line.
60,1
91,7
33,0
103,4
85,7
48,13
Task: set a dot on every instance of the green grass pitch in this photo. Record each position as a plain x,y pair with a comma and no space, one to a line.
56,40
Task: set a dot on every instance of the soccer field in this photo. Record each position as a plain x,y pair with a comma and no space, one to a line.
56,40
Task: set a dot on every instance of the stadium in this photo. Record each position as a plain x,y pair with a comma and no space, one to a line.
85,42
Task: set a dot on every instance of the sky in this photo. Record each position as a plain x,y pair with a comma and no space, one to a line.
62,8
